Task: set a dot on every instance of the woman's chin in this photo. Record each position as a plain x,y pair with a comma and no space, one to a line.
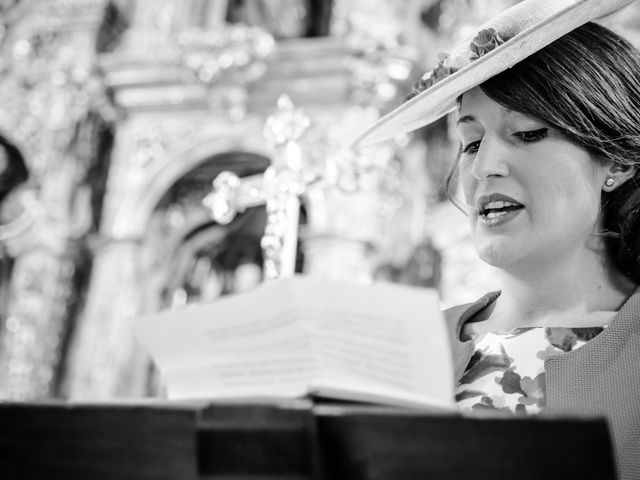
499,254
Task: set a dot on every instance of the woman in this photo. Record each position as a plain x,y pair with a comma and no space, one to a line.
548,118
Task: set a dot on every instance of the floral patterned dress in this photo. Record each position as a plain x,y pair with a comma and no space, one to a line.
506,371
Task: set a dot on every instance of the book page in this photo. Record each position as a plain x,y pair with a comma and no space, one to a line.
383,343
385,339
250,344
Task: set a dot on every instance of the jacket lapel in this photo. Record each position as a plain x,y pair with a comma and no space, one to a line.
456,317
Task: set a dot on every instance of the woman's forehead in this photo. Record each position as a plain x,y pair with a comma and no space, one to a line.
475,99
475,105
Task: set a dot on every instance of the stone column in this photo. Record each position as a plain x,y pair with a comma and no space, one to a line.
104,359
32,333
340,239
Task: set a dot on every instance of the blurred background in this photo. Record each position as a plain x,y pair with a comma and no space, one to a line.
116,118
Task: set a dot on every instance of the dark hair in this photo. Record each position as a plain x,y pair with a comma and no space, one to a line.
587,85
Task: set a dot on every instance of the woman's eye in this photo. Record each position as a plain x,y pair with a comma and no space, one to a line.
532,135
471,147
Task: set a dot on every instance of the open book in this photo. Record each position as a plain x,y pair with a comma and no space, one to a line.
294,337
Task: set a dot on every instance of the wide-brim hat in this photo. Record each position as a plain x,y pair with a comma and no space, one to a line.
499,44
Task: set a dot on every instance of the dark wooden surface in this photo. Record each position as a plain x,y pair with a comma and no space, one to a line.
257,441
295,440
115,442
363,445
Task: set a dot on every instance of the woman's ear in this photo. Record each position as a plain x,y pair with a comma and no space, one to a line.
617,174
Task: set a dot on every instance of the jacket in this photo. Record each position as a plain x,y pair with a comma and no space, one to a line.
602,378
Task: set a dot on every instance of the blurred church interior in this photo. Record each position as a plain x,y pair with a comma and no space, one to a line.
147,147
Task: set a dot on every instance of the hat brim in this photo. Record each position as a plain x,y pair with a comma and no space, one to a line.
441,98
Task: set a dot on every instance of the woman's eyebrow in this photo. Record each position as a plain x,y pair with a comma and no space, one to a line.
466,119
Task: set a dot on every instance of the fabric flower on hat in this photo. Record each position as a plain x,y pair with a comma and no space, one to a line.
486,41
442,70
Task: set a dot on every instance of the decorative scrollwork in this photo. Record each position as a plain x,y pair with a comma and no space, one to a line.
226,60
223,200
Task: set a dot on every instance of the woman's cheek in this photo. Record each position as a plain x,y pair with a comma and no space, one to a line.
469,184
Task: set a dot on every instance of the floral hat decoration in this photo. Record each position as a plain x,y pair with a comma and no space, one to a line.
499,44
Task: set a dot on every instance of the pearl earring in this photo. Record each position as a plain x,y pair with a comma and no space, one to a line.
609,182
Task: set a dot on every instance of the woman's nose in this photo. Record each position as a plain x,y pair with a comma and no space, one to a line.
490,159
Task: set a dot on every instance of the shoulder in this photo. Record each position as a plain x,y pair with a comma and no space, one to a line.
627,321
632,305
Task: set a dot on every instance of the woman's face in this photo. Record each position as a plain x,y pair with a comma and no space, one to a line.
533,196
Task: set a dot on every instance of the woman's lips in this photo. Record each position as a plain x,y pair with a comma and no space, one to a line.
496,209
493,219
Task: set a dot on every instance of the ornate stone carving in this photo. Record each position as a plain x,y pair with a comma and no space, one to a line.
48,87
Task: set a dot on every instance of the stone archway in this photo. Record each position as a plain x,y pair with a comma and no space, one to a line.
181,236
133,210
104,360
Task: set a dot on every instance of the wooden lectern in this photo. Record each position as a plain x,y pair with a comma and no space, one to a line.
292,440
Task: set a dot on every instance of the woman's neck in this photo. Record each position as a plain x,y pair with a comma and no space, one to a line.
566,294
